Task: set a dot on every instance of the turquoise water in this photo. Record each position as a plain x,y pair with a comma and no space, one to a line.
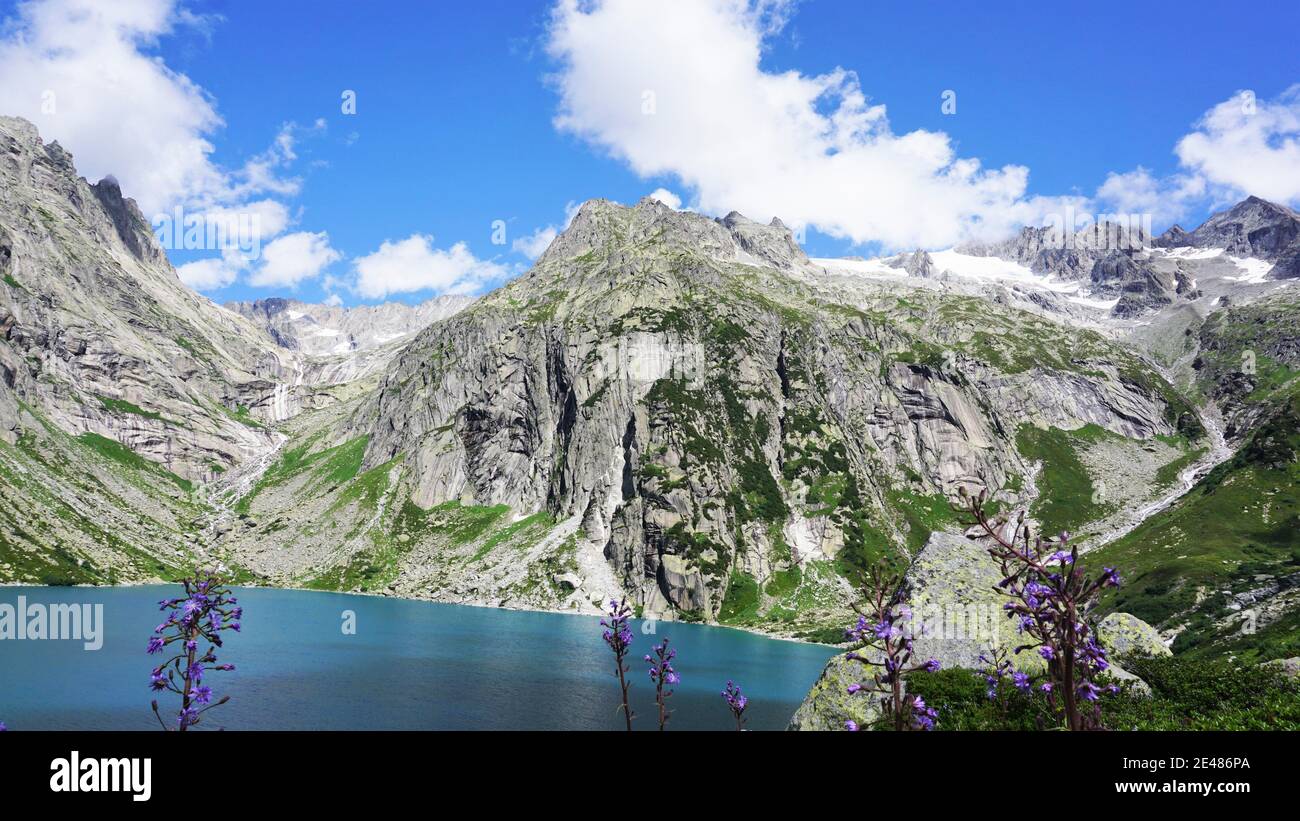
410,666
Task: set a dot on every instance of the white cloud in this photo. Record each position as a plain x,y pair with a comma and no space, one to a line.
86,74
810,149
1138,192
207,274
667,197
1249,146
77,67
413,264
334,300
535,244
292,258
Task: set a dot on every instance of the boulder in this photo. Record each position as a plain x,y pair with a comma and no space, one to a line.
957,612
828,704
957,616
1124,635
1291,666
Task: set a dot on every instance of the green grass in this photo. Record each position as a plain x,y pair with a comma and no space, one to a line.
924,515
1066,495
117,452
1167,474
325,470
740,606
123,406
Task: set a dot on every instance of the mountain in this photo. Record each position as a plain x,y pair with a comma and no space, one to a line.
1251,228
324,330
684,410
121,387
125,398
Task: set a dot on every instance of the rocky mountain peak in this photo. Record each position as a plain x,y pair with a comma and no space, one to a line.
773,244
605,228
131,225
1253,227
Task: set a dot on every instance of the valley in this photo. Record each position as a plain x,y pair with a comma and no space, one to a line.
686,411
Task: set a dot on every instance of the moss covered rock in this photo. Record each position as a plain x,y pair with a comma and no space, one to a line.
828,704
1124,635
957,611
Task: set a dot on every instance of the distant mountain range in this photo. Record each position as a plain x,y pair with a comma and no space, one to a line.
684,410
325,330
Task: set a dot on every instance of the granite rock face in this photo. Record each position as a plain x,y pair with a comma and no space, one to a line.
101,335
680,386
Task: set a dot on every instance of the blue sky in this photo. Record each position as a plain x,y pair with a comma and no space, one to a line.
457,105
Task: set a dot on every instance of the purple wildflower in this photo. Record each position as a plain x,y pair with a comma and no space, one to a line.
664,676
198,616
736,702
922,716
619,638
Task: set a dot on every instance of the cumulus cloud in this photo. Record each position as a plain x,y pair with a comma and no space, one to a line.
1249,146
83,71
414,264
810,149
1241,146
208,274
1138,192
533,245
667,197
292,258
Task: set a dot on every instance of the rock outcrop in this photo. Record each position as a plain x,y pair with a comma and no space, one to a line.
1253,227
957,616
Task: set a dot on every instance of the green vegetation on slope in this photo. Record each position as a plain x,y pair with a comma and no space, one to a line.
71,510
1067,498
1235,531
1186,694
327,468
113,450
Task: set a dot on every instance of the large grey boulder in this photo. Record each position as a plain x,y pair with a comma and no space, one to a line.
1125,635
1291,666
958,614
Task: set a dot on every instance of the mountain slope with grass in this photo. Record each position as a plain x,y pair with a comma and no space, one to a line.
1220,570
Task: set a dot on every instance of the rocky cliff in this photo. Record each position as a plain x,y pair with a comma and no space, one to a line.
707,421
